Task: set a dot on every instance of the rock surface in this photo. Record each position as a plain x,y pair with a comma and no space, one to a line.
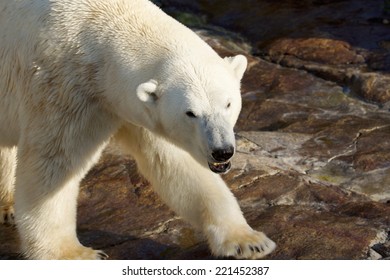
312,168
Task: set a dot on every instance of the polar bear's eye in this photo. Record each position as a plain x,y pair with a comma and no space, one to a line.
190,114
228,105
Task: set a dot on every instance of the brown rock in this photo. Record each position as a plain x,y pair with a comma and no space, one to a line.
302,233
373,149
320,50
373,87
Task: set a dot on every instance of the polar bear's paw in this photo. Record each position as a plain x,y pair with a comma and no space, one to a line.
241,244
84,253
7,215
69,252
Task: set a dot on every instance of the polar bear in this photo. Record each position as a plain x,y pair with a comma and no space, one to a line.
75,74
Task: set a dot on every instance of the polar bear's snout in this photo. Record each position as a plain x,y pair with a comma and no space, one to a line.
224,154
220,144
222,157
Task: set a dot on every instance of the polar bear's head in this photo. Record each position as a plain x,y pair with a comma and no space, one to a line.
195,105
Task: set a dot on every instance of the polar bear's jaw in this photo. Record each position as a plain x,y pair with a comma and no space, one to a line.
220,167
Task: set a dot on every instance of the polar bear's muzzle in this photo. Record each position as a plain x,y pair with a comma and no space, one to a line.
222,157
220,168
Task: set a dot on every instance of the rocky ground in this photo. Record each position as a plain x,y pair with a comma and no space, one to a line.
312,168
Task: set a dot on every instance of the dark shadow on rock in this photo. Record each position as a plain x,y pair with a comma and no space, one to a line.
122,247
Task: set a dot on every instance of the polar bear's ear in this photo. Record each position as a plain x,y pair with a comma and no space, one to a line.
239,64
146,92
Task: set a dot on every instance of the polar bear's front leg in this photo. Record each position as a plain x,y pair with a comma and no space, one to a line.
195,193
47,185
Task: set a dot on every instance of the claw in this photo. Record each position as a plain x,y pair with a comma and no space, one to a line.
238,250
102,255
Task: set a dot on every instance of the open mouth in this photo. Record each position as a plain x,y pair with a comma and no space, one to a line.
220,167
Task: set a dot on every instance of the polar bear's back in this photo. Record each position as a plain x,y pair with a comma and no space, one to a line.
51,30
50,48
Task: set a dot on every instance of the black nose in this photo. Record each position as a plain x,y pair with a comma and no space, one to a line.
223,154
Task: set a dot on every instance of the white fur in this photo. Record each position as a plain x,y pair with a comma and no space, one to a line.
7,171
76,72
